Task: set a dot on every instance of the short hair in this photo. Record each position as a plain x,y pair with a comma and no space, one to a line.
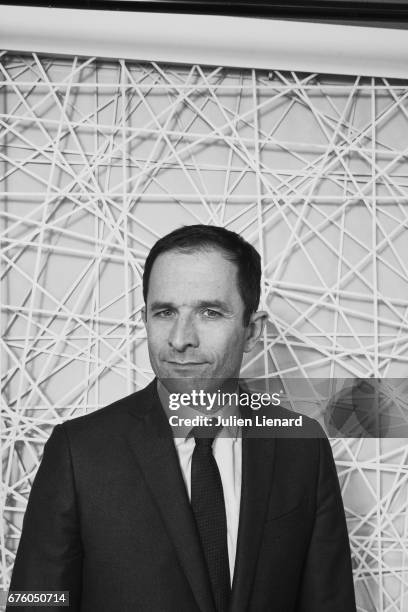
192,238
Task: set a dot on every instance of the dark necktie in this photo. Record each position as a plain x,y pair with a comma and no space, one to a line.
207,501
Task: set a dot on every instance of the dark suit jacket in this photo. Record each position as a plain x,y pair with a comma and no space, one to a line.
109,520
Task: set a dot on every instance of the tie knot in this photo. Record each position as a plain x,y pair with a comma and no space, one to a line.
204,436
204,443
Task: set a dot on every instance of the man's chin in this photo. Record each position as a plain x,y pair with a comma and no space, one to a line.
187,384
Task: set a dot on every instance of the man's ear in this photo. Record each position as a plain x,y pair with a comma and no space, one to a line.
255,328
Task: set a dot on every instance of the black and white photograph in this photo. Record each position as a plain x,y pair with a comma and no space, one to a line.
204,306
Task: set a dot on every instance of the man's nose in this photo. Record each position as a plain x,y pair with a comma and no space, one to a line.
183,333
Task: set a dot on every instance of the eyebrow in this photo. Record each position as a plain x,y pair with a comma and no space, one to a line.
200,304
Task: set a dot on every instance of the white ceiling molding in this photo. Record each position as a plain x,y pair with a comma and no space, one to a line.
205,39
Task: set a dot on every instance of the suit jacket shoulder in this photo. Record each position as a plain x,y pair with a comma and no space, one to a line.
111,417
292,424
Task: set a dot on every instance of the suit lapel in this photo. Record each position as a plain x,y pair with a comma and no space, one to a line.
257,464
152,443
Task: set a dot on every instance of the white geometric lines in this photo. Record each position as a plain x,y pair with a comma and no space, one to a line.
99,158
374,478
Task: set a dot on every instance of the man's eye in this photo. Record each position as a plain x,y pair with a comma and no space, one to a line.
164,313
211,314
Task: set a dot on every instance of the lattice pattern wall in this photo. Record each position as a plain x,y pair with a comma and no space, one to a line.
99,159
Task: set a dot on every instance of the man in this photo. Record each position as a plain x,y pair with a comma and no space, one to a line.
128,519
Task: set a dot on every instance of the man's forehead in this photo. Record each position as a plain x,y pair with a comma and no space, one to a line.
180,262
205,275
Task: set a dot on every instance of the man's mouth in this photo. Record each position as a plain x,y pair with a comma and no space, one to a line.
186,363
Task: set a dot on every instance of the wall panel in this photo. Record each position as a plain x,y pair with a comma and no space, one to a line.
100,158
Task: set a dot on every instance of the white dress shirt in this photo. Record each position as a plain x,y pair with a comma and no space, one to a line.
227,451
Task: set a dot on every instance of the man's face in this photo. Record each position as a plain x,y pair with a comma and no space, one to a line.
194,317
